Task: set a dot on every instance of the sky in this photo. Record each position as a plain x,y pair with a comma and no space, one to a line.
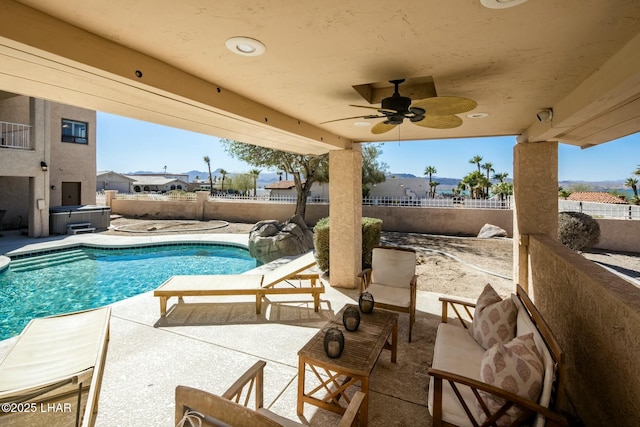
128,145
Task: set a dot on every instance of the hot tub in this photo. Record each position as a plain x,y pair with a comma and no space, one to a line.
61,216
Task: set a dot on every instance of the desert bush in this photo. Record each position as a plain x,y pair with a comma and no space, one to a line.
577,230
371,229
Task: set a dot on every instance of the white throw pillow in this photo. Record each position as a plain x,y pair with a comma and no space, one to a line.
516,367
494,319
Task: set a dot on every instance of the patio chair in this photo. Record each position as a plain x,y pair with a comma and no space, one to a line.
232,408
55,357
392,280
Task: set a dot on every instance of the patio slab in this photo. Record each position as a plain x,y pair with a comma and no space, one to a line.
208,343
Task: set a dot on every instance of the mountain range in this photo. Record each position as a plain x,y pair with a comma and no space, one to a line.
445,183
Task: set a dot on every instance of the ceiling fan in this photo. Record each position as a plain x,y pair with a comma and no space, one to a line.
438,112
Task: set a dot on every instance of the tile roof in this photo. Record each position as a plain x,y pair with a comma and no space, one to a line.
595,196
280,185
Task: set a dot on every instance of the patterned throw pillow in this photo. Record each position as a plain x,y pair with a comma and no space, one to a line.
516,367
494,319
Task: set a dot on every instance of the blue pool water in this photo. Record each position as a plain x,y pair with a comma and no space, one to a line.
83,278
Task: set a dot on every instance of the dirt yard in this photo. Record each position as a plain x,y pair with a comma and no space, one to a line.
459,266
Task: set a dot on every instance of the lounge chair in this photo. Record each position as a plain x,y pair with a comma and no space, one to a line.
258,285
56,357
232,408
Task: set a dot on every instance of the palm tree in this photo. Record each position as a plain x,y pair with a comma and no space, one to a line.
430,170
476,160
501,176
433,185
254,175
633,183
224,174
207,160
488,167
279,175
637,172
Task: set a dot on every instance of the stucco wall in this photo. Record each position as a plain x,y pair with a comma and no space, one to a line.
454,221
408,220
619,235
595,317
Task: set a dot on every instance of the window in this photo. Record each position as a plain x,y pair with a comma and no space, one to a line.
73,131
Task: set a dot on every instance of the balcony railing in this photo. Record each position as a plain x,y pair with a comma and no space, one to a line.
14,135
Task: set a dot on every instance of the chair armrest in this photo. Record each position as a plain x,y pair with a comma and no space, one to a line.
529,407
254,377
456,304
365,279
351,413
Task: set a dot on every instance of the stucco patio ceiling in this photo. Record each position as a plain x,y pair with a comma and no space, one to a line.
166,61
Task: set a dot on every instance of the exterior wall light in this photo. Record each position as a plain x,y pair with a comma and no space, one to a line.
44,166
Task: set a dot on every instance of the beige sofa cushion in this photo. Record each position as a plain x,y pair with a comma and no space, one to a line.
455,351
515,367
494,319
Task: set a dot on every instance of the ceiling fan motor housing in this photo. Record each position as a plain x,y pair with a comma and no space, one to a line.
396,102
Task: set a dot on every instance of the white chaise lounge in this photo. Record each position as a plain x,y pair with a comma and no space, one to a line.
56,356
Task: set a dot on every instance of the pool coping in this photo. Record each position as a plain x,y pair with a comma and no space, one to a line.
115,242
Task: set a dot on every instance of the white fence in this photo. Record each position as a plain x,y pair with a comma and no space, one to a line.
176,197
600,210
443,202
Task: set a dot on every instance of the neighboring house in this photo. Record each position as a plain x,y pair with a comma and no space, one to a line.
180,176
288,189
413,188
595,196
47,158
154,183
109,180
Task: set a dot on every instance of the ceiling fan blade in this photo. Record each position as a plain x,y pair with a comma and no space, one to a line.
370,116
440,122
445,105
382,127
382,110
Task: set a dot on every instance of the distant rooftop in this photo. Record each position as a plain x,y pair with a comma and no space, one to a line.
595,196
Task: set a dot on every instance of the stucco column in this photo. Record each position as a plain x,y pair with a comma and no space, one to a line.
345,213
39,182
535,190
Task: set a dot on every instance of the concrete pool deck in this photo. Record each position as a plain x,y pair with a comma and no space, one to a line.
212,341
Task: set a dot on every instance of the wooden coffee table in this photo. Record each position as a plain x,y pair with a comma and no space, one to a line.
361,351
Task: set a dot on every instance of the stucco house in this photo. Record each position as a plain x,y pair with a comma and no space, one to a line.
145,183
109,180
47,159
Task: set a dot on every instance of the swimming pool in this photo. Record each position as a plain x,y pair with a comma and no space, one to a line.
79,278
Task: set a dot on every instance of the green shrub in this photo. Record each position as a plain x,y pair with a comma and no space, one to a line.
371,229
577,230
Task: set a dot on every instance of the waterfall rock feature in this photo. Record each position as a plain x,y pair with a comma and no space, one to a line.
270,239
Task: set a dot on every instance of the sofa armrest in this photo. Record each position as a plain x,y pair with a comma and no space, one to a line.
529,408
351,413
365,279
254,378
456,304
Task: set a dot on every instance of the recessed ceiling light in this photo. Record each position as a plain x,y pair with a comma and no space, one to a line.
362,124
477,115
245,46
501,4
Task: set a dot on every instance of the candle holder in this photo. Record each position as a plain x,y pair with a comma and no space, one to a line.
366,302
351,319
333,342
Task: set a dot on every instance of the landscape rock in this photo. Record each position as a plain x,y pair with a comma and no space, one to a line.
270,240
488,231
